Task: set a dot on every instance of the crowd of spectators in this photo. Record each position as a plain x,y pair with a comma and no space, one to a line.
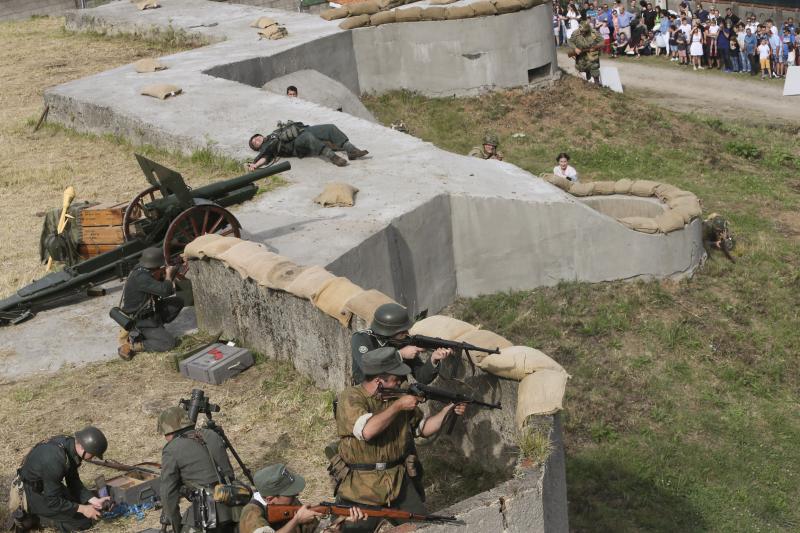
701,38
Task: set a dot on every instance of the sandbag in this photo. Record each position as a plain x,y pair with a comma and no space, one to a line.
581,189
148,65
337,194
484,339
507,6
259,266
516,362
559,181
527,4
687,206
540,393
483,9
263,22
161,90
273,33
237,256
433,13
335,13
460,12
310,282
332,300
644,187
363,304
410,14
667,193
604,187
368,7
669,221
643,224
382,17
147,4
201,246
441,326
389,4
283,274
354,22
441,2
623,186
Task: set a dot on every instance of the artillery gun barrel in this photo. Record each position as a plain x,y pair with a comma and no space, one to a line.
221,188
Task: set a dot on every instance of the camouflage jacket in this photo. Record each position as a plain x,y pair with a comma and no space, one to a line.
477,151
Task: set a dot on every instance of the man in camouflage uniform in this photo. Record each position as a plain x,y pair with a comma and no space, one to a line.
295,139
277,485
717,234
586,43
53,490
374,438
191,460
489,148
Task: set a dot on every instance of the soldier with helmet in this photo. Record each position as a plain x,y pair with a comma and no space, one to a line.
51,489
151,303
489,148
390,325
192,462
586,44
717,234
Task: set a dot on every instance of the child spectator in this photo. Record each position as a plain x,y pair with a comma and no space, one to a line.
711,43
696,48
605,33
734,54
673,43
763,55
563,169
681,42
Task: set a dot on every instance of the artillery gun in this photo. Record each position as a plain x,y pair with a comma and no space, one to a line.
168,214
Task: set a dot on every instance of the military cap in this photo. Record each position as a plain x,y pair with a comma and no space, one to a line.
173,419
491,138
277,480
152,258
385,360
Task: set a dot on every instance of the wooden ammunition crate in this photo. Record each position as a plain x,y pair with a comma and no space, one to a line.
91,250
103,215
102,235
101,229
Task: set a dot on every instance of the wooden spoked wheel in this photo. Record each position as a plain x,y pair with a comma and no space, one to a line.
190,224
134,213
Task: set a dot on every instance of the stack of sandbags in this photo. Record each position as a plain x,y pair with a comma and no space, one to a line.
357,21
441,326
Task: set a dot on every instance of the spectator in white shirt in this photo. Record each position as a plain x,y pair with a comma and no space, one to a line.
563,168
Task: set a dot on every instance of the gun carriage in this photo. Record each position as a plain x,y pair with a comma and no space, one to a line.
169,214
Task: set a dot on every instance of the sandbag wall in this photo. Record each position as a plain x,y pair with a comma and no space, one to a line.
379,12
680,206
261,299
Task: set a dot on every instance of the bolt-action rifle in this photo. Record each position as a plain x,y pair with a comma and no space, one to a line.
110,463
281,513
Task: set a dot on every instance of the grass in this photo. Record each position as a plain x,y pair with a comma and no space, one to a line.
682,411
36,167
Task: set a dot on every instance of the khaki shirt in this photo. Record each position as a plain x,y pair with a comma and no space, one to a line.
253,520
372,487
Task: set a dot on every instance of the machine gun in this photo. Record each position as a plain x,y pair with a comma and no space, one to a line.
169,215
281,513
432,343
426,392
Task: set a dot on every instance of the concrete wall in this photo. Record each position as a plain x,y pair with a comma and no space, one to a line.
456,56
332,56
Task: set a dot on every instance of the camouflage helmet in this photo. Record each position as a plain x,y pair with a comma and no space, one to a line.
586,27
491,138
172,420
390,319
92,441
717,222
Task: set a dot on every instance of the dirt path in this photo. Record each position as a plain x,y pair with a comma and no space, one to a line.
729,96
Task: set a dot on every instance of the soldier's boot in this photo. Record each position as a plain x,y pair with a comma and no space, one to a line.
128,349
353,152
331,156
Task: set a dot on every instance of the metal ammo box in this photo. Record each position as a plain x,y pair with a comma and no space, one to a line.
136,486
216,363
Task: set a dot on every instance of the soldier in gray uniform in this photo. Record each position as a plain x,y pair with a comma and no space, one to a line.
192,459
391,324
55,495
296,139
152,302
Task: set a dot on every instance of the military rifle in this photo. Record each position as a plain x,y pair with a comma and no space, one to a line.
282,513
725,246
110,463
432,343
595,48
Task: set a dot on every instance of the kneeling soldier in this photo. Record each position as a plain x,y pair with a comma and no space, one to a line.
277,485
192,462
55,495
374,438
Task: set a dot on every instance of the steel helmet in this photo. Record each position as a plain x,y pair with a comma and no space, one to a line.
390,319
173,419
491,138
92,441
152,258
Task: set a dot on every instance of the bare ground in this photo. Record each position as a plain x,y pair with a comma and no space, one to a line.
732,96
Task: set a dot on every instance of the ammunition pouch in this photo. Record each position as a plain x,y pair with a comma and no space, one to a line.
338,470
289,131
233,494
124,320
19,519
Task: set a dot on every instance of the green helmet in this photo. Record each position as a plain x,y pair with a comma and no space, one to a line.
390,319
172,420
92,441
719,224
152,258
491,138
